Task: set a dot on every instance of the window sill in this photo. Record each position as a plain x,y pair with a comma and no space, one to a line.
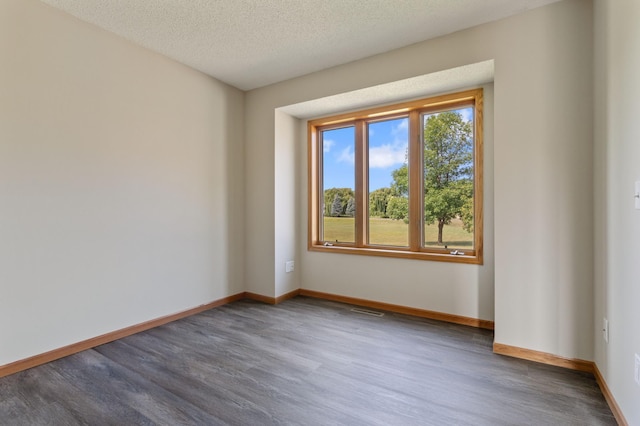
475,259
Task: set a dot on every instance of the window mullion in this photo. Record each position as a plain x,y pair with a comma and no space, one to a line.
416,221
361,183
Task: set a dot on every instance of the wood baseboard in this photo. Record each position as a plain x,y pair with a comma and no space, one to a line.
260,298
608,396
423,313
287,296
272,300
543,357
52,355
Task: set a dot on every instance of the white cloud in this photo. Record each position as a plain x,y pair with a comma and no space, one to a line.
384,156
467,114
347,156
327,144
393,153
402,127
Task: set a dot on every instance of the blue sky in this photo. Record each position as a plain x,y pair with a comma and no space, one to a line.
388,141
338,159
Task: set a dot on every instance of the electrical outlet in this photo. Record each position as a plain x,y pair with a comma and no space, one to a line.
605,330
636,371
289,266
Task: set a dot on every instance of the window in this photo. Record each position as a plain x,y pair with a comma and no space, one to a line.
399,181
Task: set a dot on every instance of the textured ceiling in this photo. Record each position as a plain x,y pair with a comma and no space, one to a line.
253,43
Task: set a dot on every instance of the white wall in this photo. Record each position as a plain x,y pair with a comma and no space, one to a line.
543,181
286,139
543,186
617,225
120,172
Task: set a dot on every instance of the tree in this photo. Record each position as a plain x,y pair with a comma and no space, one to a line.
398,208
336,206
350,210
378,200
330,195
398,204
400,185
467,214
448,169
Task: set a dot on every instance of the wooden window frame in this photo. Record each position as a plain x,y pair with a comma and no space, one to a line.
412,109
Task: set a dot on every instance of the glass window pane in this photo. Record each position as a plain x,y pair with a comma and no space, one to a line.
448,179
388,143
338,183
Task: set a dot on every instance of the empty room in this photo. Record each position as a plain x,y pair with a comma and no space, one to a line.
420,212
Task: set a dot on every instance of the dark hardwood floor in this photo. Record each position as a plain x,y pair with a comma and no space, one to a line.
303,362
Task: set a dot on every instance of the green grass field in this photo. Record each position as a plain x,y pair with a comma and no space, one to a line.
395,232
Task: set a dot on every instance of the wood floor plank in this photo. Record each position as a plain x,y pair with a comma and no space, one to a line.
304,361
